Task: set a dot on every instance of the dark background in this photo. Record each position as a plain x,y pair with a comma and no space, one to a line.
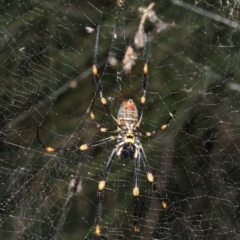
46,81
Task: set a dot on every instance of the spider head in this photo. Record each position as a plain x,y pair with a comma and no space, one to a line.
128,112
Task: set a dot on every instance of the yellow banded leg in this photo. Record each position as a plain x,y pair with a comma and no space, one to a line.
101,186
151,179
136,195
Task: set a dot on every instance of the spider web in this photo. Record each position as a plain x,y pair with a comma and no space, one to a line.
46,82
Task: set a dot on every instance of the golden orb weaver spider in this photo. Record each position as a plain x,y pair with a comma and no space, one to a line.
128,139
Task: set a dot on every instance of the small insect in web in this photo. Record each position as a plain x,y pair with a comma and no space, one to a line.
127,138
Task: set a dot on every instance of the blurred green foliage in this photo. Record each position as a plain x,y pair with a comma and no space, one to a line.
46,59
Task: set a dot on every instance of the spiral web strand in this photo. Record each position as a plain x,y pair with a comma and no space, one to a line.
47,84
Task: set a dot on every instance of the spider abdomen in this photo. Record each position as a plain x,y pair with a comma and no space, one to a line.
128,151
127,144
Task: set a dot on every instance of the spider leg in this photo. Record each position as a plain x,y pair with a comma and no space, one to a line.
83,147
144,89
99,85
151,179
92,116
136,194
161,127
143,203
101,186
144,76
90,110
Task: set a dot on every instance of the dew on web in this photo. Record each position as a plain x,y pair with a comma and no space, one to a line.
191,62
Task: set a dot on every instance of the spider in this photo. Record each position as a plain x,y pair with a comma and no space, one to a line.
127,140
